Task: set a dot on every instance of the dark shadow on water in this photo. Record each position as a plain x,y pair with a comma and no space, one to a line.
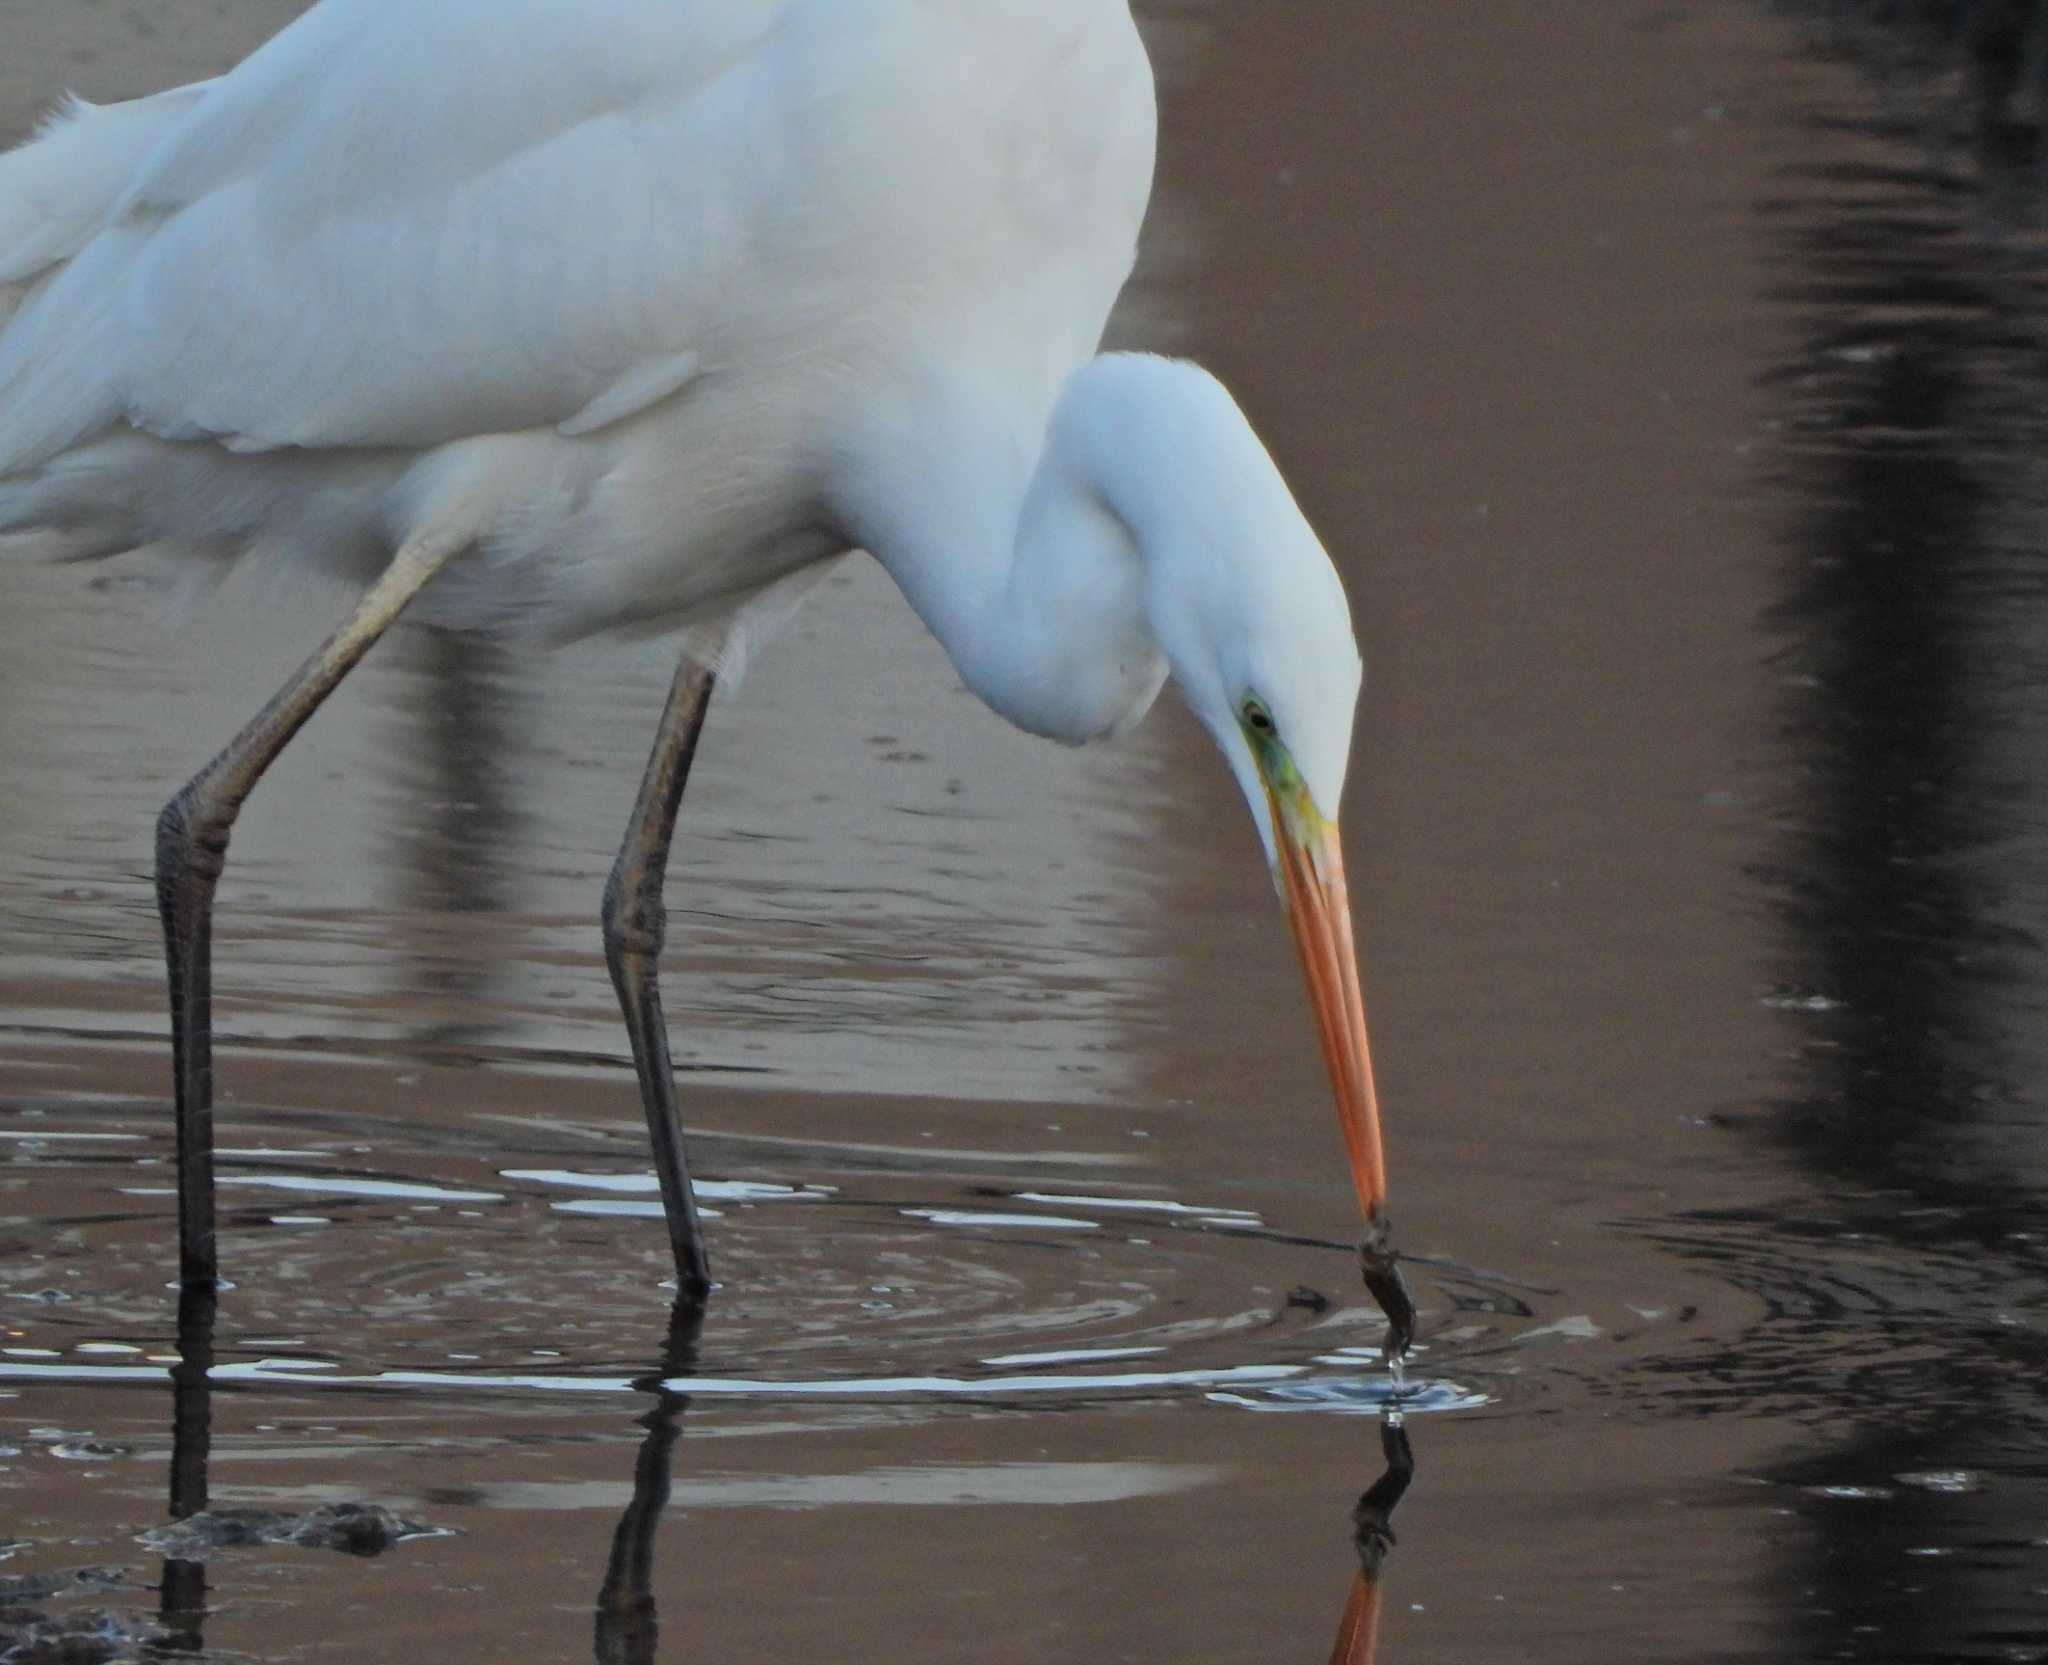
1905,1329
1916,579
1989,56
1916,656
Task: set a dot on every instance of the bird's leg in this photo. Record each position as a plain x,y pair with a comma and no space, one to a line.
635,924
191,849
182,1589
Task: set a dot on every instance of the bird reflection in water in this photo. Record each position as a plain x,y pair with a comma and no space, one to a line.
459,812
627,1625
1358,1634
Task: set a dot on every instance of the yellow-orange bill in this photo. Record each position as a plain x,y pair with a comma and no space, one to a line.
1311,867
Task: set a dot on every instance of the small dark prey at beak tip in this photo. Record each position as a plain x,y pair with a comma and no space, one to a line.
1382,1268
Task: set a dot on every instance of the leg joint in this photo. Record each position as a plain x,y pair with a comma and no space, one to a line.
635,921
191,838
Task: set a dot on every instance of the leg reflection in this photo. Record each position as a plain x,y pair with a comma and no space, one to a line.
627,1626
182,1593
1358,1635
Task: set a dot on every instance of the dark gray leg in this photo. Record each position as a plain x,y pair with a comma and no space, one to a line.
191,850
181,1592
635,924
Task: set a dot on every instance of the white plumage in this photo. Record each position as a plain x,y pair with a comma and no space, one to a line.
716,240
669,302
630,313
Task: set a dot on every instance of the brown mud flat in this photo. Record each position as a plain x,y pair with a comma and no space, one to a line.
1039,1336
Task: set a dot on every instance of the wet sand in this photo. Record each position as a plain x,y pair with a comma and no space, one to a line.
1008,1041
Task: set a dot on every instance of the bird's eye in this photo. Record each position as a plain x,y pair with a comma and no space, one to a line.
1257,717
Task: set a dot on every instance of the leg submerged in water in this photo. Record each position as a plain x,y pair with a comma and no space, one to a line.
191,851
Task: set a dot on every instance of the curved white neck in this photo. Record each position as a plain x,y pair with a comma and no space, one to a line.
997,528
1067,552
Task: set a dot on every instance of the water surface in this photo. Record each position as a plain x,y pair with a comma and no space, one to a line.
1666,380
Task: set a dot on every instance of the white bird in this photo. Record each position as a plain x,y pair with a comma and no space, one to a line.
550,319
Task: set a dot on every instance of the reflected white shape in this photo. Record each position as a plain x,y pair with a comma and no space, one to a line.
1075,1355
620,1208
1003,1485
1358,1396
38,1134
1951,1480
974,1217
1578,1327
856,1387
1147,1205
823,1152
326,1186
647,1184
587,1182
865,1387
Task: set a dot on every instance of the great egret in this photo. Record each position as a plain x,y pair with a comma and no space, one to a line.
554,319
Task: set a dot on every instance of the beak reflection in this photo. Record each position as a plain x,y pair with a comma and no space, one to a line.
1358,1632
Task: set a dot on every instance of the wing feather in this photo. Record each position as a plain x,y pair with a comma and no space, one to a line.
56,192
401,225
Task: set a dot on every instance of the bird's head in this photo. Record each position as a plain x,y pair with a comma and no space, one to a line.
1253,620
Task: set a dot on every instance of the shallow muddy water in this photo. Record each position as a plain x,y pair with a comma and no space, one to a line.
1667,380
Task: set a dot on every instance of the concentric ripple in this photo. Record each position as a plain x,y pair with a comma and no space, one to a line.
400,1264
